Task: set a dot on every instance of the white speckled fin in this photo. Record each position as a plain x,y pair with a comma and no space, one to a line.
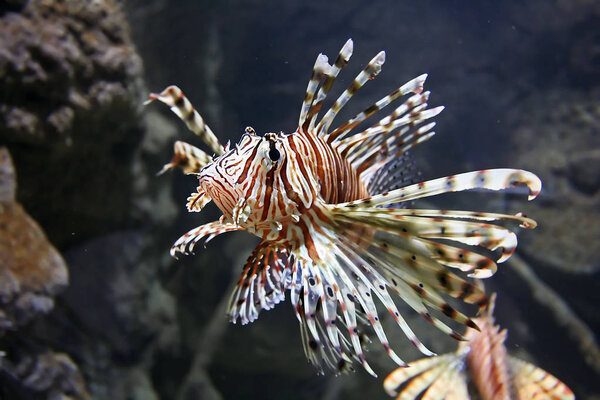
372,282
410,250
481,234
491,179
418,287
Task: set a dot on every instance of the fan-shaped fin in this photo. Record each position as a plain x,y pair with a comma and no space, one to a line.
261,285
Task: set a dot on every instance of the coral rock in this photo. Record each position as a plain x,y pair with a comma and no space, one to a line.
32,271
49,375
556,136
72,91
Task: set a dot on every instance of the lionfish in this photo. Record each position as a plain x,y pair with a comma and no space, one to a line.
495,374
330,206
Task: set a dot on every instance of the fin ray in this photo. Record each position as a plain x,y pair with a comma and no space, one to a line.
371,71
186,243
173,97
261,285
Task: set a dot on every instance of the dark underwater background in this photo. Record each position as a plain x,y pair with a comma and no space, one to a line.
91,303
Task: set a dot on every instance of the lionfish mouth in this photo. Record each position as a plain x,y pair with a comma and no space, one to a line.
331,206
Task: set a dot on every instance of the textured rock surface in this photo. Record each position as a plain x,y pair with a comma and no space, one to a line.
47,375
69,113
32,271
556,136
116,314
71,89
8,181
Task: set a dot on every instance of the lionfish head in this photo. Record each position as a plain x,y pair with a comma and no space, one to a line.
254,163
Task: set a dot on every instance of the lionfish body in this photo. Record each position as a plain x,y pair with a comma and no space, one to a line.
484,361
330,234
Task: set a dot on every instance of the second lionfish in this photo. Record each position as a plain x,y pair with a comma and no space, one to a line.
330,206
481,365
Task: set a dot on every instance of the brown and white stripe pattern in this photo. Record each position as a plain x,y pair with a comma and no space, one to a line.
327,238
183,108
482,360
187,157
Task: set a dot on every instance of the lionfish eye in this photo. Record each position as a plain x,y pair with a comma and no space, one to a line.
274,154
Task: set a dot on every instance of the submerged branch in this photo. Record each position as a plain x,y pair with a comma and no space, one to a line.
565,316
